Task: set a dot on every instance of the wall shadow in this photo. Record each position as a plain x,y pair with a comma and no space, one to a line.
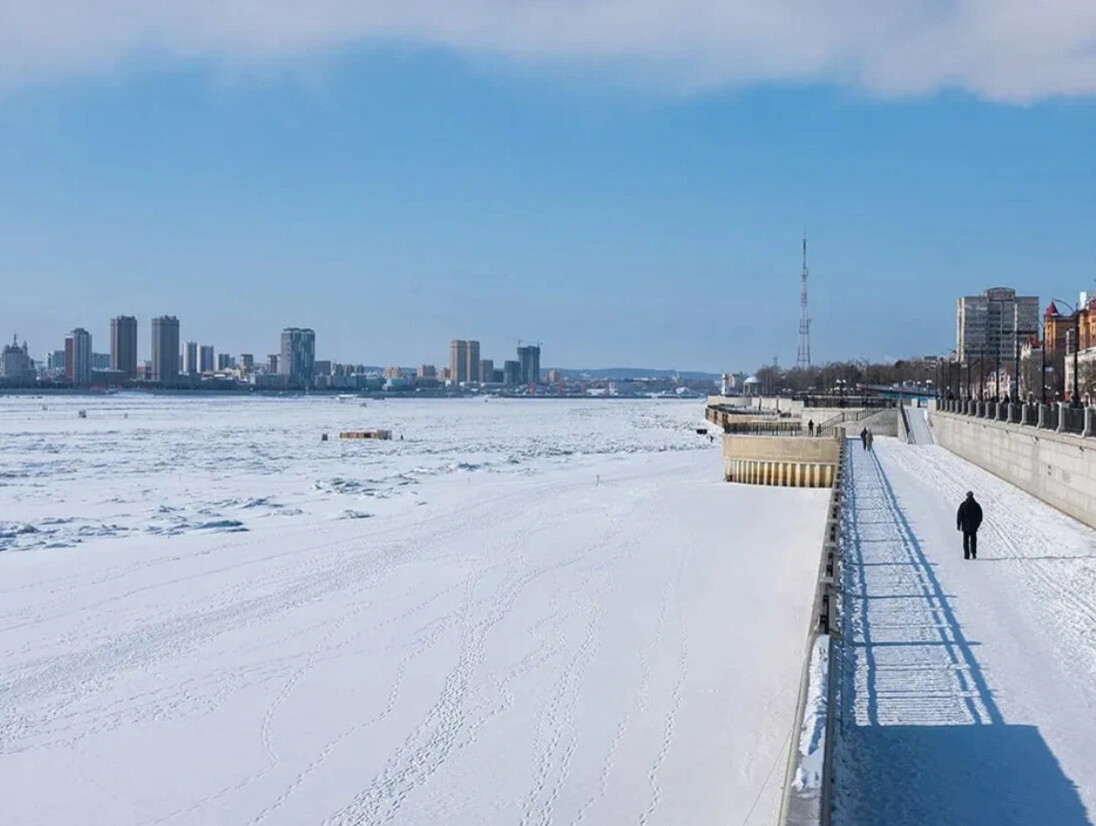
996,774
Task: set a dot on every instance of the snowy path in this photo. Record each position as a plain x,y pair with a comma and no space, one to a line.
968,687
509,639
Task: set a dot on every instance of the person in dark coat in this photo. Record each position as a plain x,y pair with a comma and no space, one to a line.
864,438
968,520
810,427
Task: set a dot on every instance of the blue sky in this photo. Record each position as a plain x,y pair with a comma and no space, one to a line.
394,196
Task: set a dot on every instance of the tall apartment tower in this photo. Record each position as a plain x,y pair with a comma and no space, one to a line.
458,360
205,359
165,349
529,358
297,359
123,345
473,365
78,356
190,358
988,326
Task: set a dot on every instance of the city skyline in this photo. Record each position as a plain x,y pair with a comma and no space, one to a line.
624,217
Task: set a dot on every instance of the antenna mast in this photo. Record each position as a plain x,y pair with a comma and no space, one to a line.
803,359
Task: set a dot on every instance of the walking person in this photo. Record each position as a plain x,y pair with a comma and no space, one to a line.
968,520
864,438
810,427
869,439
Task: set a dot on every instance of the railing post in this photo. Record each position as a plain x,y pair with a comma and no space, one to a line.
1042,422
1090,422
1061,417
1024,415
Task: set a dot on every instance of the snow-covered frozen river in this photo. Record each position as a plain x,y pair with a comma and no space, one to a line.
520,612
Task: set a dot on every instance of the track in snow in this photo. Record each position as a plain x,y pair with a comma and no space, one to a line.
966,691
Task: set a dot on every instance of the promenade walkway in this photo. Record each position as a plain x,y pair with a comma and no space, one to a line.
967,688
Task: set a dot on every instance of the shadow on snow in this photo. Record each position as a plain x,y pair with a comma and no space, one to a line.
962,763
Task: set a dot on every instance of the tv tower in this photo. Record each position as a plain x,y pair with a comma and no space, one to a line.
803,359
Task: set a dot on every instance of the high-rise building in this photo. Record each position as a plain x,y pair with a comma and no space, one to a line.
56,360
511,373
990,326
487,371
123,345
190,358
225,361
16,366
100,361
458,360
165,349
529,357
473,366
78,356
247,362
272,363
205,359
427,371
298,356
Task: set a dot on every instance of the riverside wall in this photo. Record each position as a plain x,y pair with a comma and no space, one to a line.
786,461
1058,468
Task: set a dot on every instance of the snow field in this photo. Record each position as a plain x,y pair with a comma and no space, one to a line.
522,613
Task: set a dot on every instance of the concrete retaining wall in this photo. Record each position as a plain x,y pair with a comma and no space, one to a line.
883,423
1058,468
788,461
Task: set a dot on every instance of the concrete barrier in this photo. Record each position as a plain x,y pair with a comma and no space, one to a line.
808,777
787,461
1056,467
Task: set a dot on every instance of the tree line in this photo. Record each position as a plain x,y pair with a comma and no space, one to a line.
845,376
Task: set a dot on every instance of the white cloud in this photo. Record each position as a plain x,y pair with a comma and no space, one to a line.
1010,50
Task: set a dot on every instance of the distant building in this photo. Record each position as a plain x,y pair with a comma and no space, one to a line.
497,376
297,358
992,325
529,358
78,356
486,371
426,371
190,358
205,359
272,364
458,360
322,368
165,349
100,361
16,366
555,376
511,373
473,366
56,360
391,372
144,370
225,361
123,345
247,362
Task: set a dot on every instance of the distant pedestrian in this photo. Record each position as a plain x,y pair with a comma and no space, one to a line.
810,427
968,520
870,439
864,438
